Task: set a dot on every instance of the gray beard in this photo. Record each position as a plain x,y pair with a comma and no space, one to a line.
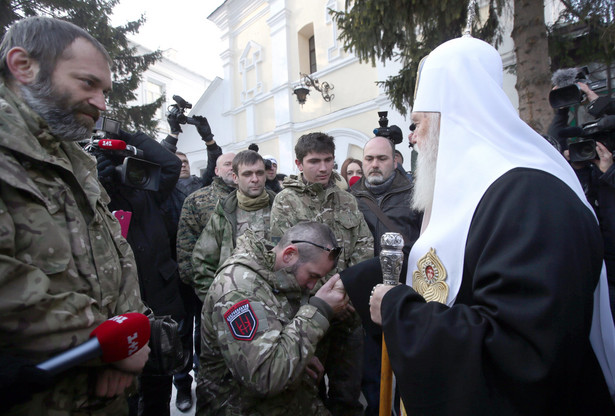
375,179
425,177
60,118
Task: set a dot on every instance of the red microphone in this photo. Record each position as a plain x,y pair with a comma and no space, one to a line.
110,144
353,180
118,145
115,339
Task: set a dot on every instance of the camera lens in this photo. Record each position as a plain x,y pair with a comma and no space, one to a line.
586,151
138,176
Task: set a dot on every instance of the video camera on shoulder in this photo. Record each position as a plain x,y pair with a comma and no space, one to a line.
131,169
392,133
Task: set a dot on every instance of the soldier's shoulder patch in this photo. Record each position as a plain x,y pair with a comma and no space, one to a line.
242,321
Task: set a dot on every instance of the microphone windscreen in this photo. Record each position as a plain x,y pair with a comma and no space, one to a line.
564,77
606,123
122,335
570,132
112,144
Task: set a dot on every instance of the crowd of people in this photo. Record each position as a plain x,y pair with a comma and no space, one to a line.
273,283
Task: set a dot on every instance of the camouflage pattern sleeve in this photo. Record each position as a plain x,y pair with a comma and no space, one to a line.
283,213
263,352
188,231
364,247
213,247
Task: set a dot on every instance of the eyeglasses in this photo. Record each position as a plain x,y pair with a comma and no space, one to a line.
334,252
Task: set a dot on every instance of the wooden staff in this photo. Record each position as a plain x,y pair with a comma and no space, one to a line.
391,260
386,382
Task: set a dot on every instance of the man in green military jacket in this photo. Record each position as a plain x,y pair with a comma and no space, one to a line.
248,207
196,211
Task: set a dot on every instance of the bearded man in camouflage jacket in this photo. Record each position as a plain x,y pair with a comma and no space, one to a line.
64,266
259,333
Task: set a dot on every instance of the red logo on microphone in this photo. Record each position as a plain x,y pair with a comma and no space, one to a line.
242,321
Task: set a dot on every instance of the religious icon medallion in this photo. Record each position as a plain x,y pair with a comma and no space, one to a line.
429,279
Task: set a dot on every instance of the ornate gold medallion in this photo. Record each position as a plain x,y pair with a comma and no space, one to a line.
429,279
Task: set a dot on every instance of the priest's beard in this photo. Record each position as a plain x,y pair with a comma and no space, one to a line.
57,111
425,180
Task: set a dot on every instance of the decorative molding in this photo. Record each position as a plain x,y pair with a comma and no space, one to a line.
249,61
277,22
335,50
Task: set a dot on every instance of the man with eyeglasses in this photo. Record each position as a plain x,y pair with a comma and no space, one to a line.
259,334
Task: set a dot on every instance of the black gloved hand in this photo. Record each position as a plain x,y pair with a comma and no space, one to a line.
203,128
106,169
20,379
173,121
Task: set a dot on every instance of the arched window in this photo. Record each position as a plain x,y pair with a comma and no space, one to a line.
307,49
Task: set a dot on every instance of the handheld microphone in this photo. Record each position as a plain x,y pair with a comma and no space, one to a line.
111,144
115,339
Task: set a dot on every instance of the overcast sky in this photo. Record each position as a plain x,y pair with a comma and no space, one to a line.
181,25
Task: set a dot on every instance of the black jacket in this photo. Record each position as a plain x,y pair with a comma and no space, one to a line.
172,207
147,234
396,206
516,341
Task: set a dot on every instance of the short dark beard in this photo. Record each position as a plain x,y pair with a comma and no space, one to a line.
55,109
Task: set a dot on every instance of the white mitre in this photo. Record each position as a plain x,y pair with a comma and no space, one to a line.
482,138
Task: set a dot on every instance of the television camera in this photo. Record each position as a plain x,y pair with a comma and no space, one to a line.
582,140
130,167
392,133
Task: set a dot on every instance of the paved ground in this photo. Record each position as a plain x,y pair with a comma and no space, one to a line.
191,412
175,411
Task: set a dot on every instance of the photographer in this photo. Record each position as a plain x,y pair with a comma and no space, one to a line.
148,237
204,130
172,207
590,153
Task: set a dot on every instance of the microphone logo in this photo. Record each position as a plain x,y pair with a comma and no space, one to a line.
119,319
133,344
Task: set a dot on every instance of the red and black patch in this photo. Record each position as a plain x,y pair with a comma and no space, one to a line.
242,321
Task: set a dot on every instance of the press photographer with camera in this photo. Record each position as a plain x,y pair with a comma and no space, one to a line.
186,185
148,236
589,149
176,117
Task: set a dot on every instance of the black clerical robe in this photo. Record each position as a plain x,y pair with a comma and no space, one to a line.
516,340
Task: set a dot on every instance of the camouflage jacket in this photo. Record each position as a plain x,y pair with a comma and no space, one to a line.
196,211
64,267
217,240
333,206
257,339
